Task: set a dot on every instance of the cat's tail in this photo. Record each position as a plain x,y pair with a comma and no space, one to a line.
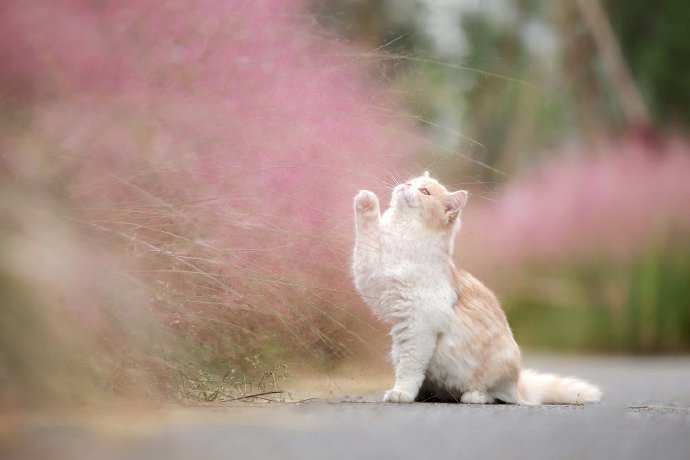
535,388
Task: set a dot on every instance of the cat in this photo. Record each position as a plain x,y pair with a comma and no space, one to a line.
450,338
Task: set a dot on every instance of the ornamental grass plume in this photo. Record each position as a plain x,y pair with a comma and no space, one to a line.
176,195
610,203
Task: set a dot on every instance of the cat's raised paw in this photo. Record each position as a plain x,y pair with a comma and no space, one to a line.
398,396
366,201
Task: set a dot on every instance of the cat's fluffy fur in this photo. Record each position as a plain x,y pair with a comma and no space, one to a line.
451,339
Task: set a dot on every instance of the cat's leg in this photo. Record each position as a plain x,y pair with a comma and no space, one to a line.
413,348
367,217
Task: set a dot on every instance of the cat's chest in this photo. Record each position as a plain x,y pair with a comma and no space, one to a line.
409,264
423,256
404,288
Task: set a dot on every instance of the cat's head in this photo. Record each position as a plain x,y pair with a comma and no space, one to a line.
426,201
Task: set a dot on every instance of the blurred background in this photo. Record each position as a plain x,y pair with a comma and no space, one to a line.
176,181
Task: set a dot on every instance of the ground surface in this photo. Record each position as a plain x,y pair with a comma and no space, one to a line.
645,414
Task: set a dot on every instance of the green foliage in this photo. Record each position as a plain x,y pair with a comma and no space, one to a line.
654,40
641,305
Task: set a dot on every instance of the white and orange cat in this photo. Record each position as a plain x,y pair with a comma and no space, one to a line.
451,339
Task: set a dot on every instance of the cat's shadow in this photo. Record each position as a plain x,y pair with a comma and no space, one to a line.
429,394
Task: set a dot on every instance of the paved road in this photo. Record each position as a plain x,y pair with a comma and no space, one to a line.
645,414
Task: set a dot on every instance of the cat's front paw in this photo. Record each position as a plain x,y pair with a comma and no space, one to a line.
366,201
398,396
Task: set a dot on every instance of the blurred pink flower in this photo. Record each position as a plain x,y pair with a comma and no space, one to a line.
247,109
209,149
613,202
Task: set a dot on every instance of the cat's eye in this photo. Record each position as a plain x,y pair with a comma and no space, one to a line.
424,191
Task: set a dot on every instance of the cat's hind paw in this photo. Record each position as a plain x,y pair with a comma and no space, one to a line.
476,397
398,396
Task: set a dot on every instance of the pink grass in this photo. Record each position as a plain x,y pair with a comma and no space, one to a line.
611,203
200,158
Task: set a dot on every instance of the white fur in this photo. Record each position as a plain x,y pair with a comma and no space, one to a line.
476,397
553,389
401,271
400,275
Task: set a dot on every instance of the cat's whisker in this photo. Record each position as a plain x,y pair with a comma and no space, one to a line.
395,175
392,182
393,178
390,185
483,197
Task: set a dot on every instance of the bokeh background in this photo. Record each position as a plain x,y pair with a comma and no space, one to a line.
176,181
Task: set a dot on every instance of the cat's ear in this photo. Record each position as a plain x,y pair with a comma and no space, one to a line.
426,174
455,201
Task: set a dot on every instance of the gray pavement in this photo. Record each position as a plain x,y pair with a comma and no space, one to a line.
645,414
